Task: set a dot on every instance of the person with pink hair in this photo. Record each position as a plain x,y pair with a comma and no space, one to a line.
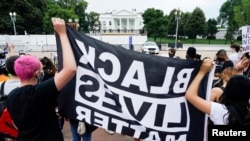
32,105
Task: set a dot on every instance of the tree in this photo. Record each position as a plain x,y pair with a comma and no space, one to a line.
29,16
93,19
80,10
66,9
196,24
242,13
54,10
34,17
211,29
227,14
172,23
155,22
184,26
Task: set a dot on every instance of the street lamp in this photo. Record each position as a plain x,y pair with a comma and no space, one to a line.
177,18
13,19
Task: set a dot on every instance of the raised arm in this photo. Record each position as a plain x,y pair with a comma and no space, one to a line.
241,66
192,91
5,46
69,63
12,48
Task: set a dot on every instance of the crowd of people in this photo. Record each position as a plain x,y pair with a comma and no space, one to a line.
33,85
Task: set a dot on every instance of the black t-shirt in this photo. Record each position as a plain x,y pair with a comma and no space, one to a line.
32,108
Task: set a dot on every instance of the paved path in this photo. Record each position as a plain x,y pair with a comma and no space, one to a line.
98,135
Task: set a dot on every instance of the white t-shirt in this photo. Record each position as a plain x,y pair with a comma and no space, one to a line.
218,114
10,85
234,57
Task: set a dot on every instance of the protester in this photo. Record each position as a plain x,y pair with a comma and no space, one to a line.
13,80
3,73
235,56
242,65
217,91
5,47
245,64
49,68
217,75
235,97
223,60
49,71
191,53
171,53
32,105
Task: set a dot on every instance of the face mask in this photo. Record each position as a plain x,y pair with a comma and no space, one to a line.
220,59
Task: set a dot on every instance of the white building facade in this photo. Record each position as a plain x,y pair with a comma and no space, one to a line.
121,22
117,27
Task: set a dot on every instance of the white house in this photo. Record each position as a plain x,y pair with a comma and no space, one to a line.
121,22
125,25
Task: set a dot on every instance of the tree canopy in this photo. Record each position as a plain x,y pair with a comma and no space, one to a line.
242,13
155,22
33,17
29,16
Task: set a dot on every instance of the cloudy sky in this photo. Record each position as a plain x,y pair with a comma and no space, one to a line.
210,7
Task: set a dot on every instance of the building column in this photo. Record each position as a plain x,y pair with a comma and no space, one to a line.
134,24
120,24
113,24
127,24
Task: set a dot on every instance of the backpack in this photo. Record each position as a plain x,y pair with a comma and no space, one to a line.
7,127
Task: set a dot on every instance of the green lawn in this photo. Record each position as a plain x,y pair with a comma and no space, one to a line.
191,41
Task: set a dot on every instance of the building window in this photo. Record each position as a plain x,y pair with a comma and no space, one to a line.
104,23
110,23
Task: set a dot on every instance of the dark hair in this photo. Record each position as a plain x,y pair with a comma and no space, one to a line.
48,67
221,51
227,64
246,54
236,47
236,95
172,50
191,53
10,64
197,56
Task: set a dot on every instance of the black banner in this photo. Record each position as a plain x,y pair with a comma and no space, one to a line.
131,93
